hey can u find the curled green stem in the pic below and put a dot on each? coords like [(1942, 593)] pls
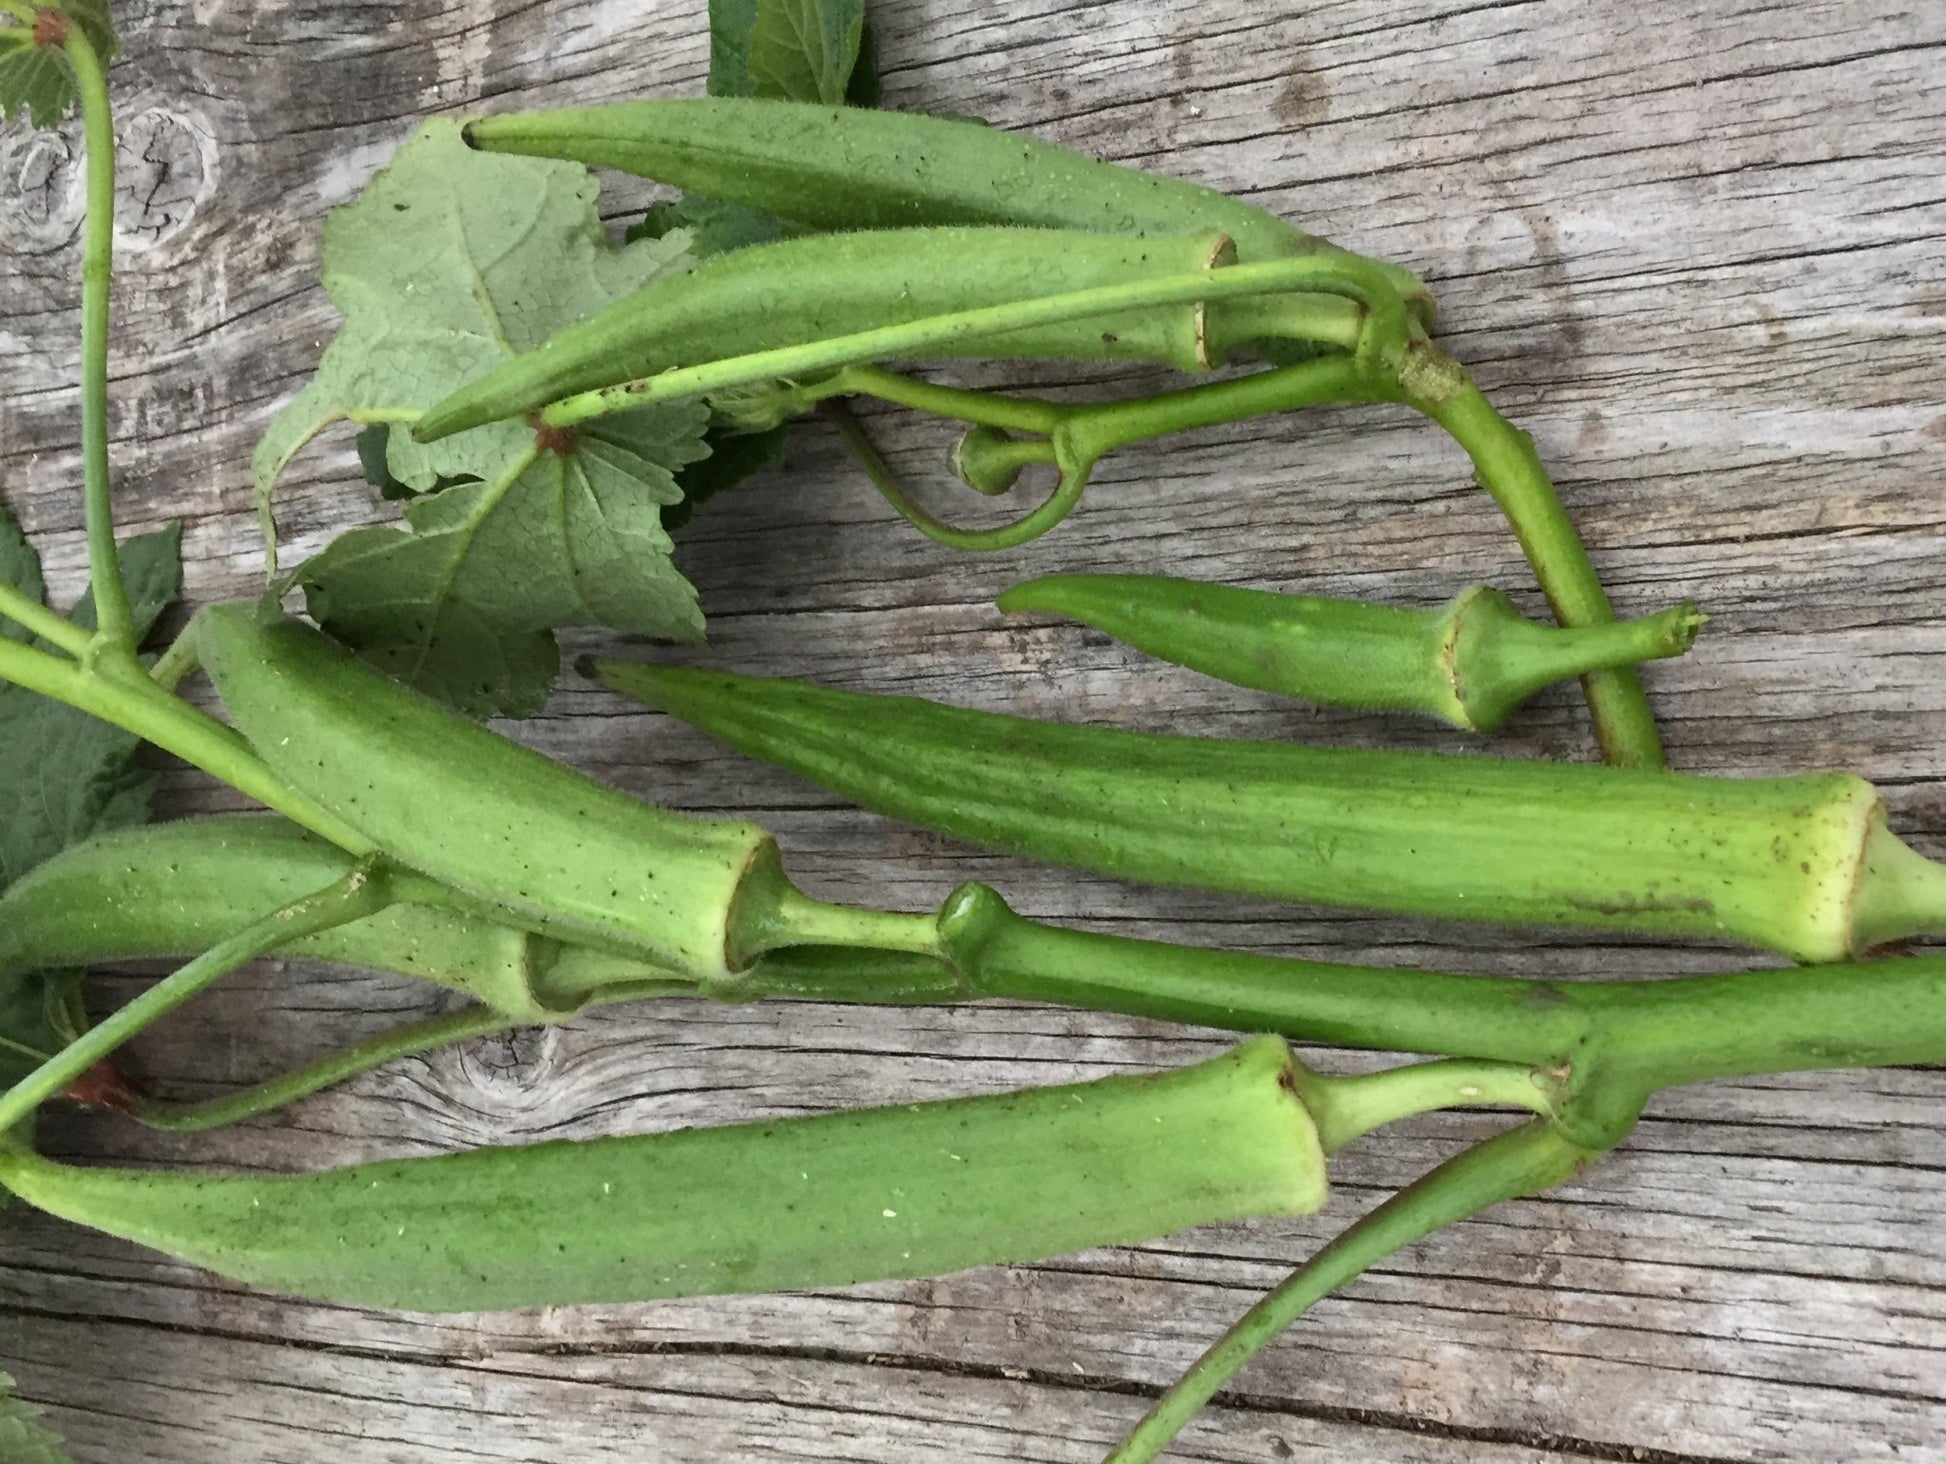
[(1524, 1161), (1031, 525)]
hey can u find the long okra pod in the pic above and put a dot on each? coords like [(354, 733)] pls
[(858, 168), (822, 1201), (800, 291), (1805, 866), (1471, 663)]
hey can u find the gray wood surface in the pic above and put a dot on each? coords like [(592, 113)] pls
[(1695, 248)]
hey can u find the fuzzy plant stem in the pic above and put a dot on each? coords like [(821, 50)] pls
[(1523, 1161), (113, 616)]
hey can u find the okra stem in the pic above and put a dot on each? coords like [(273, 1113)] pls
[(1524, 1161), (362, 892), (57, 630), (1030, 525), (178, 661), (1628, 1037), (1506, 465), (112, 614), (1347, 1108), (1493, 1018), (273, 1093), (986, 408), (407, 1040), (1095, 431)]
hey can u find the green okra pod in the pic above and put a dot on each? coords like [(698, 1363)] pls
[(474, 810), (175, 889), (798, 291), (822, 1201), (1471, 663), (1805, 865), (858, 168), (498, 822)]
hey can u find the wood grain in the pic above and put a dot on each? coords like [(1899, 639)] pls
[(1695, 249)]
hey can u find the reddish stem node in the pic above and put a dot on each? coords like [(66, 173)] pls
[(557, 440), (50, 27)]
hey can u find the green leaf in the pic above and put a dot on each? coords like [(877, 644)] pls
[(35, 80), (733, 457), (451, 262), (459, 605), (862, 89), (789, 50), (714, 227), (65, 774), (23, 1438), (374, 442), (784, 50), (20, 567)]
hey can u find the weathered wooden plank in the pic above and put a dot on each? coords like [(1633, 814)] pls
[(1694, 249)]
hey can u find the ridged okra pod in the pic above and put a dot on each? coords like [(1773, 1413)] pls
[(1471, 663), (821, 1201), (857, 168), (798, 291), (476, 811), (1801, 865)]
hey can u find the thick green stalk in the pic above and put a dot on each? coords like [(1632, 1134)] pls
[(1611, 1043), (1657, 1034), (1506, 465), (1526, 1161), (361, 893), (117, 626), (1500, 1019)]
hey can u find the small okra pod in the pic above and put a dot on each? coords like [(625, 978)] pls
[(798, 291), (822, 1201), (1804, 866), (857, 168), (498, 822), (1471, 663)]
